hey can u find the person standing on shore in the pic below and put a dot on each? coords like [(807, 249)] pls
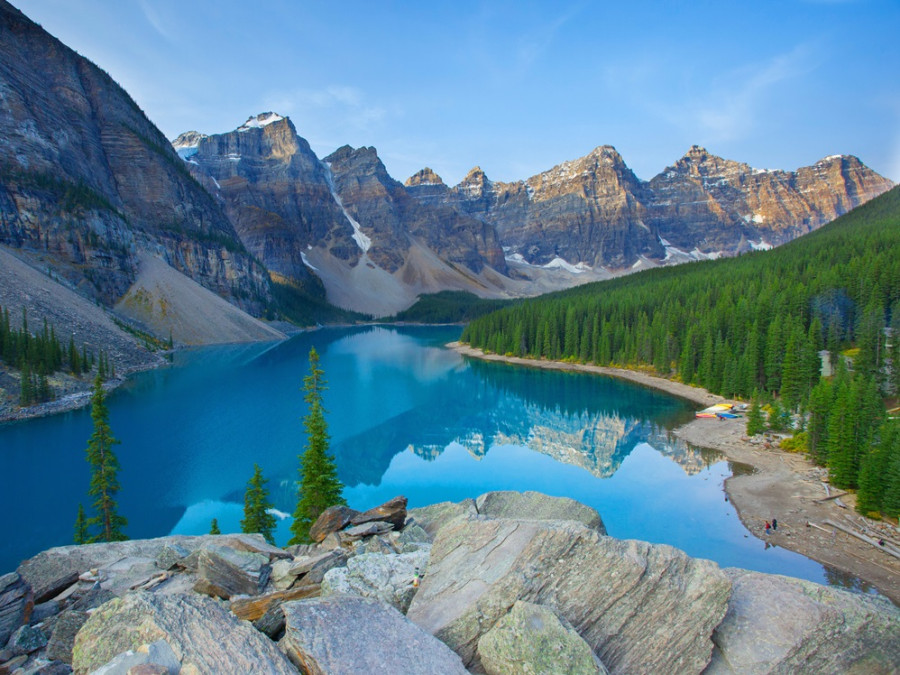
[(767, 527), (774, 525)]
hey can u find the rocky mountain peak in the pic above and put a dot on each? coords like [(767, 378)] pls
[(698, 162), (424, 177), (357, 155), (603, 164), (189, 139), (475, 184), (260, 121), (847, 161), (607, 153), (697, 151), (187, 143)]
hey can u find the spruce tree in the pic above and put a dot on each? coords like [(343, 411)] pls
[(214, 527), (895, 348), (319, 484), (841, 447), (755, 422), (26, 386), (81, 531), (793, 377), (890, 500), (104, 467), (820, 402), (256, 508)]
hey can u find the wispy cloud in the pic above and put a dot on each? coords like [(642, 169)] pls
[(534, 44), (729, 110), (495, 47), (156, 20)]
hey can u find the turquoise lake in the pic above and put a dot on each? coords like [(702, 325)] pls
[(406, 416)]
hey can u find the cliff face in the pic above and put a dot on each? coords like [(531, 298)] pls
[(596, 212), (590, 210), (274, 189), (87, 181), (284, 202), (716, 205), (392, 216)]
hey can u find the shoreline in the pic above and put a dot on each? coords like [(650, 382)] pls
[(69, 401), (82, 397), (783, 485)]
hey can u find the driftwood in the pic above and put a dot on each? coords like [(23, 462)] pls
[(876, 532), (868, 540), (834, 496), (819, 527)]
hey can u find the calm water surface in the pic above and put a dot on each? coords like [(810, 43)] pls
[(406, 416)]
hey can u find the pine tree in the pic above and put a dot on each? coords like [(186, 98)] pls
[(841, 427), (214, 527), (26, 386), (793, 377), (256, 508), (81, 531), (755, 423), (319, 484), (105, 466), (890, 501), (820, 402), (895, 347), (874, 469)]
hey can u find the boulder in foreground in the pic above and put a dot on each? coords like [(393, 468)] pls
[(785, 625), (537, 506), (201, 633), (332, 519), (348, 634), (534, 639), (392, 511), (642, 608)]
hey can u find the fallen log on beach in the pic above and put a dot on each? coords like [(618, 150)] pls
[(853, 533)]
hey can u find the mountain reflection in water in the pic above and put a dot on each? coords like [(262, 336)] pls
[(406, 416)]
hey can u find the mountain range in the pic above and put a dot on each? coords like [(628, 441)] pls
[(93, 194), (348, 221)]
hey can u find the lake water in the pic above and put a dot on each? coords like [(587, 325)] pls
[(406, 416)]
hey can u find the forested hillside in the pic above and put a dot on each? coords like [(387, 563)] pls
[(753, 324)]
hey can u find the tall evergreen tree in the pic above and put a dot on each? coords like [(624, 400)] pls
[(874, 469), (104, 470), (895, 348), (820, 401), (890, 501), (793, 375), (841, 431), (319, 484), (256, 508), (214, 527), (755, 422), (81, 531)]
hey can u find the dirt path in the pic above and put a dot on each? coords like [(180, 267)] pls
[(784, 486)]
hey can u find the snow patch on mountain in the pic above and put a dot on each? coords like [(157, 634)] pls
[(307, 263), (260, 121), (569, 267), (359, 237)]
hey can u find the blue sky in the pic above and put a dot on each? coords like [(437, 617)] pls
[(515, 87)]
